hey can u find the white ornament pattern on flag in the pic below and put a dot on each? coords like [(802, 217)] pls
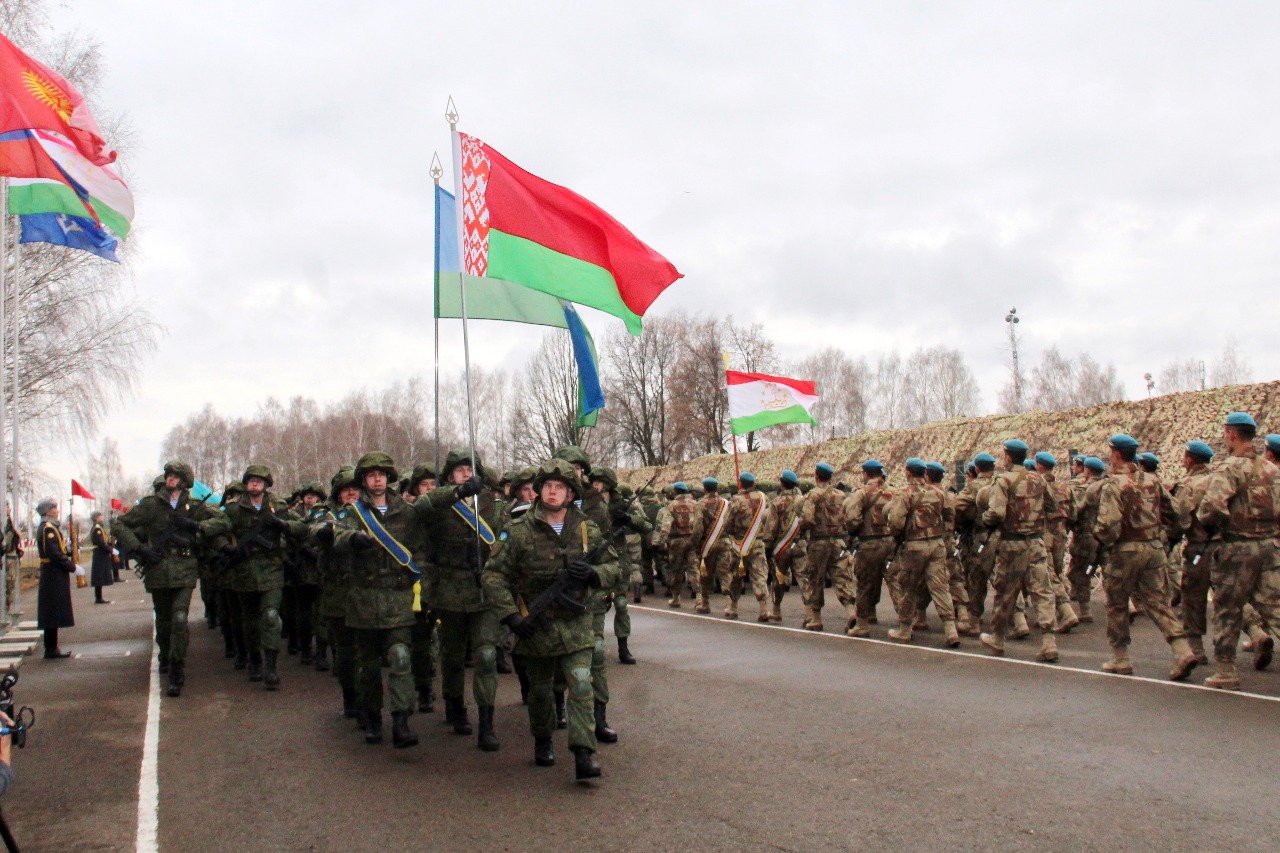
[(475, 206)]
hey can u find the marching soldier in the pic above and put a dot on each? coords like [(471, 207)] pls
[(677, 537), (980, 554), (1187, 495), (626, 520), (421, 481), (1055, 543), (786, 546), (866, 514), (335, 585), (715, 556), (822, 518), (748, 517), (1085, 551), (919, 518)]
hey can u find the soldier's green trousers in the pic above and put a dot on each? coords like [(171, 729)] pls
[(1138, 570), (481, 628), (343, 640), (229, 619), (1246, 572), (599, 667), (260, 615), (575, 668), (374, 646), (681, 563), (424, 665), (171, 607)]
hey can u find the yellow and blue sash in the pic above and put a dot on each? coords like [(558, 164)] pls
[(475, 521), (369, 519)]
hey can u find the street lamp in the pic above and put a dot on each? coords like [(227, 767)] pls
[(1012, 319)]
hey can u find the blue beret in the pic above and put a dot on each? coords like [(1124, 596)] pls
[(789, 477), (1149, 461), (1046, 459), (1078, 459), (1029, 464), (1093, 463), (915, 465), (1200, 450), (936, 467), (710, 483), (1241, 419), (872, 466), (984, 457), (1016, 444), (1273, 443), (747, 477), (1121, 441), (681, 487), (824, 469)]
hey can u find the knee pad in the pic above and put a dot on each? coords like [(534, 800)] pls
[(180, 619), (272, 617), (581, 687), (398, 659), (597, 653), (487, 660)]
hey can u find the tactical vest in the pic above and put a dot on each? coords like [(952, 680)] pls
[(682, 510), (1087, 519), (1139, 505), (828, 511), (1253, 508), (875, 518), (1024, 505), (924, 518)]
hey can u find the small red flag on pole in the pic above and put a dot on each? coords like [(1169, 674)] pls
[(117, 504), (80, 491)]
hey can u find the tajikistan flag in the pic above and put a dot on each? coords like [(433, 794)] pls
[(758, 400)]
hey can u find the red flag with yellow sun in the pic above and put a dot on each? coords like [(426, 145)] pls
[(35, 97)]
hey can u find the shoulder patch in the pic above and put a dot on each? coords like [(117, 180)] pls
[(502, 537)]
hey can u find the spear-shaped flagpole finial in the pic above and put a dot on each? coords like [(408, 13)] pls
[(451, 113), (437, 171)]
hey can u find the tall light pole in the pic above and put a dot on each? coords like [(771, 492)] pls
[(1012, 319)]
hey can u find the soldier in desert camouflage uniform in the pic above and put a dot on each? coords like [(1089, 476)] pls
[(866, 514), (822, 518), (919, 517), (787, 548), (748, 518), (677, 537), (1187, 495)]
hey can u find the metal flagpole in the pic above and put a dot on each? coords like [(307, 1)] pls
[(4, 484), (737, 468), (451, 113), (16, 605), (437, 172)]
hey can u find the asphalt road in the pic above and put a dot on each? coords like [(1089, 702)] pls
[(733, 737)]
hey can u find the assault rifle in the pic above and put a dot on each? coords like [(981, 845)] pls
[(169, 537), (255, 540)]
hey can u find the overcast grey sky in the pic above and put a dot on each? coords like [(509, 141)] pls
[(868, 175)]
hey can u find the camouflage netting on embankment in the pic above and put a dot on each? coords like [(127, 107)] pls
[(1161, 424)]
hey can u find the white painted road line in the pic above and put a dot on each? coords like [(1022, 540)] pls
[(773, 626), (148, 776)]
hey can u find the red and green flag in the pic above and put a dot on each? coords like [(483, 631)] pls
[(519, 228)]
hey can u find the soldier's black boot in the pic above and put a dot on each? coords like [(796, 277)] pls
[(504, 665), (255, 666), (624, 653), (269, 677), (305, 658), (349, 703), (175, 679), (562, 713), (636, 589), (322, 657), (229, 650), (426, 700), (164, 663), (585, 765), (372, 727), (461, 724), (604, 734), (542, 754), (242, 658), (487, 740), (401, 737)]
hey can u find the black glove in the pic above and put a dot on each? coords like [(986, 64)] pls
[(584, 573), (325, 535), (275, 523), (186, 522), (520, 626), (362, 541), (148, 554), (470, 487), (619, 516)]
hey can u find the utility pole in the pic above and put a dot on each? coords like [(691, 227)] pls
[(1012, 319)]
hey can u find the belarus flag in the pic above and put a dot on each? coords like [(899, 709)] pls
[(758, 400)]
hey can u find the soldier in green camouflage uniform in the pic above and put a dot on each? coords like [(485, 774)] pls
[(1241, 505), (677, 538), (554, 537), (306, 574), (1187, 495), (335, 584), (867, 520), (628, 519), (1019, 503), (822, 519), (748, 518), (253, 525), (919, 517), (652, 564), (1132, 507), (161, 531), (787, 548), (426, 640), (1085, 551), (458, 597), (229, 616)]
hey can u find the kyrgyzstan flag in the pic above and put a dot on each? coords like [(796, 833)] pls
[(79, 491), (34, 96)]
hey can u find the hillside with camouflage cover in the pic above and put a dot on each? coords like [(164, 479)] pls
[(1162, 425)]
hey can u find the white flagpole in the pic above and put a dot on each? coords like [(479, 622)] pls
[(436, 173), (16, 605), (451, 113), (4, 484)]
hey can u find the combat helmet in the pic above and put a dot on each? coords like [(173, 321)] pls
[(186, 477), (574, 455), (604, 475), (376, 460), (625, 490), (344, 479), (258, 471), (524, 475), (233, 490), (456, 457), (312, 487), (558, 469)]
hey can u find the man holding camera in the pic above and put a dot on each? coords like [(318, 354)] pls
[(160, 532)]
